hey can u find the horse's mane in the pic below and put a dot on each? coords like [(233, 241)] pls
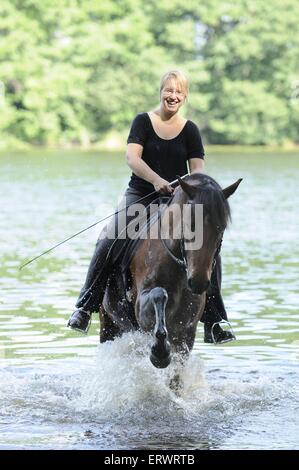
[(211, 196)]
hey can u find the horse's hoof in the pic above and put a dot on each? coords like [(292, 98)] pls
[(176, 385), (160, 363)]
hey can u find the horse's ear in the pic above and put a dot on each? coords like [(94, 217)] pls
[(231, 189), (187, 188)]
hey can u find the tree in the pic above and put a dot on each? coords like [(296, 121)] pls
[(74, 69)]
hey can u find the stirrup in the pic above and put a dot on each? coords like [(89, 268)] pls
[(230, 330)]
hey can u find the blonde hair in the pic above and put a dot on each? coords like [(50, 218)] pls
[(179, 77)]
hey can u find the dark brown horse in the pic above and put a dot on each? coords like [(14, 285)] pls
[(170, 280)]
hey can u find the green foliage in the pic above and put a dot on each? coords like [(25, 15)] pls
[(72, 70)]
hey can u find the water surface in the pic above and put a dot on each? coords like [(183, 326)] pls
[(60, 390)]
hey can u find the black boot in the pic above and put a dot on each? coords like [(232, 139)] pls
[(215, 311), (215, 334), (91, 295), (80, 320)]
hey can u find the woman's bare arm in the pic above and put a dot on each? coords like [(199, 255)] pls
[(196, 165), (141, 169)]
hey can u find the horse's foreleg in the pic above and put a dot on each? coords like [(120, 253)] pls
[(109, 329), (152, 316), (176, 382)]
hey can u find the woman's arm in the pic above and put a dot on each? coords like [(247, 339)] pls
[(141, 169), (196, 165)]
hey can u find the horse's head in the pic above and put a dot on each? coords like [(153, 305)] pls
[(201, 189)]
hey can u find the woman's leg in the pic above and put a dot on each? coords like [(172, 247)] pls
[(92, 293), (93, 289), (215, 310)]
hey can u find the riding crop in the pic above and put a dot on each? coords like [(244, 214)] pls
[(90, 226)]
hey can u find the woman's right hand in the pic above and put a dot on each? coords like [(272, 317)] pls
[(162, 186)]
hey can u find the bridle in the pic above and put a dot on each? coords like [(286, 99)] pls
[(182, 261)]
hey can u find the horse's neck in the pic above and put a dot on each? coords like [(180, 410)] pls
[(171, 225)]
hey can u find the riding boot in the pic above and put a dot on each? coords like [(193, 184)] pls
[(92, 293), (215, 311)]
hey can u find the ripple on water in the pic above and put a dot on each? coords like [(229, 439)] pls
[(121, 399), (57, 393)]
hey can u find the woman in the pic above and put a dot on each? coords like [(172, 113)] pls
[(160, 144)]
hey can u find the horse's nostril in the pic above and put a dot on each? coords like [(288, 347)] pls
[(203, 287), (198, 287)]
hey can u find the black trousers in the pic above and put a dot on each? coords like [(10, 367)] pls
[(92, 292)]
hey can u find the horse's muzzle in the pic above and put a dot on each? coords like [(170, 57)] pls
[(198, 287)]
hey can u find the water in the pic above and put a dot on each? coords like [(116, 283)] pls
[(61, 390)]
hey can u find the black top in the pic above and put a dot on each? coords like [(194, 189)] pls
[(167, 157)]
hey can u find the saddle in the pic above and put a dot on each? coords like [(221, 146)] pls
[(123, 249)]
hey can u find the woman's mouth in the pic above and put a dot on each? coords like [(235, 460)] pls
[(171, 103)]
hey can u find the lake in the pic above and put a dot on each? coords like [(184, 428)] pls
[(62, 390)]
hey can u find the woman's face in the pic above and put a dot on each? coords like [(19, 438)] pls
[(172, 96)]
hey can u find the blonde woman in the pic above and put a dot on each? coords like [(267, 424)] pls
[(161, 145)]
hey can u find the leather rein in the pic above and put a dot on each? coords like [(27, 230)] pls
[(182, 261)]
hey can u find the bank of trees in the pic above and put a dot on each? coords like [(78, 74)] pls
[(71, 70)]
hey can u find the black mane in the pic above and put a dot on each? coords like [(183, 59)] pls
[(211, 196)]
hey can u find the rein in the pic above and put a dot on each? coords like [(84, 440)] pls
[(182, 262)]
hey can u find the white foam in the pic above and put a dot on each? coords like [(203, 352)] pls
[(122, 386), (123, 380)]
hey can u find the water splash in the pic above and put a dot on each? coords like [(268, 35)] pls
[(123, 382), (120, 400)]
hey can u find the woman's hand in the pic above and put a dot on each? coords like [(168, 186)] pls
[(162, 186)]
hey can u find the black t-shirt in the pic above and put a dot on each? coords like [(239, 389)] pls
[(168, 158)]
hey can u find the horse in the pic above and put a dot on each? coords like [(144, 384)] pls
[(169, 280)]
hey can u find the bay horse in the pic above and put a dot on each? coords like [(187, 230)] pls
[(169, 281)]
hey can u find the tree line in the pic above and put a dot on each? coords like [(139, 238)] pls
[(72, 70)]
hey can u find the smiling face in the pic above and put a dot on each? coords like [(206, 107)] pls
[(173, 96)]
